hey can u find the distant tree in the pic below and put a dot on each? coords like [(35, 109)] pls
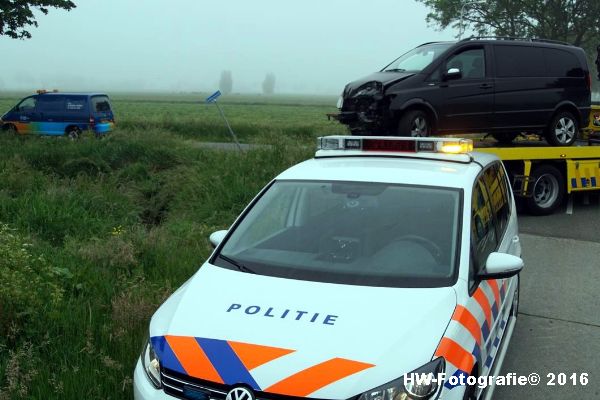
[(226, 82), (16, 15), (268, 85)]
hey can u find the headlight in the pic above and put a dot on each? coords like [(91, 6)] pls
[(340, 102), (151, 364), (370, 89), (421, 384)]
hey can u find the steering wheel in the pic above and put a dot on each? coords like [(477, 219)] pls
[(428, 244)]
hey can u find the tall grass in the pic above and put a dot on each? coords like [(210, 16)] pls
[(115, 226)]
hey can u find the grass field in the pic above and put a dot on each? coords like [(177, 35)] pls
[(95, 234)]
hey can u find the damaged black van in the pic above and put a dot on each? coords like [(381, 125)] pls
[(500, 86)]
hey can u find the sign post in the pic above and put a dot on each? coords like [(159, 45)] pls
[(213, 99)]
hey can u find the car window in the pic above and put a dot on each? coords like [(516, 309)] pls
[(360, 233), (483, 229), (100, 104), (27, 104), (418, 58), (560, 63), (75, 103), (519, 61), (49, 104), (470, 62), (497, 187)]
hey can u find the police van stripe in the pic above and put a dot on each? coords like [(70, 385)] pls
[(166, 354), (226, 362), (192, 358), (484, 303)]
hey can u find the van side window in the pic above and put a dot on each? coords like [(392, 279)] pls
[(518, 61), (75, 103), (495, 180), (560, 63), (27, 105), (471, 63), (483, 229), (50, 104), (100, 104)]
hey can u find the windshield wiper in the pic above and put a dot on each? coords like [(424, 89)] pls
[(395, 70), (236, 264)]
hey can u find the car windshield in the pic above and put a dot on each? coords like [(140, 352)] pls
[(358, 233), (418, 58)]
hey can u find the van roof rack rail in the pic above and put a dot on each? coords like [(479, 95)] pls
[(515, 38)]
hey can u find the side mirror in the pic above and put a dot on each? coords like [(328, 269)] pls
[(453, 73), (216, 238), (501, 266)]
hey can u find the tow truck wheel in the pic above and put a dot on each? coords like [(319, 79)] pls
[(563, 129), (548, 190), (505, 138), (415, 123)]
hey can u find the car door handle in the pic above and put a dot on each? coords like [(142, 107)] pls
[(486, 86)]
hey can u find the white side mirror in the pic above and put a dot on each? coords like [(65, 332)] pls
[(217, 237), (501, 265)]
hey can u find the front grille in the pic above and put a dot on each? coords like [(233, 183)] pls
[(183, 386)]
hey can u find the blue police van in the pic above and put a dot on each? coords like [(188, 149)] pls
[(58, 114)]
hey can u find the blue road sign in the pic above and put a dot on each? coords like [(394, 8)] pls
[(213, 97)]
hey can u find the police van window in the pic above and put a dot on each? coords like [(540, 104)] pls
[(562, 64), (519, 61), (75, 104), (495, 180), (50, 104), (483, 230), (27, 105), (350, 232), (470, 62), (100, 104)]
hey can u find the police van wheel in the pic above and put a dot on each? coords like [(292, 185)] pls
[(10, 129), (415, 123), (73, 133), (548, 190), (563, 129)]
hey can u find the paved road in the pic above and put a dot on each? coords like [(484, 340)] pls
[(558, 329)]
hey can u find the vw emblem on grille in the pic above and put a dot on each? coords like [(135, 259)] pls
[(240, 393)]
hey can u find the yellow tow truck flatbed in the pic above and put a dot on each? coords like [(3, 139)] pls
[(544, 174)]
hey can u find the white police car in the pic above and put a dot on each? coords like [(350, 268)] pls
[(378, 258)]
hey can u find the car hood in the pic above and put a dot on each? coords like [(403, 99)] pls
[(385, 78), (297, 338)]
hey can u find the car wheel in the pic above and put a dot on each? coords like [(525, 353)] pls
[(73, 133), (414, 123), (10, 129), (505, 138), (548, 190), (563, 129)]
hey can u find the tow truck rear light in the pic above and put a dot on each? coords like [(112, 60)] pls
[(396, 145)]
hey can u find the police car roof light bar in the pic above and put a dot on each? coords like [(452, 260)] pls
[(396, 144)]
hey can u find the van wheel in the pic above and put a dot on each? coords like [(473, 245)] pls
[(10, 129), (505, 138), (548, 190), (414, 123), (563, 129), (73, 133)]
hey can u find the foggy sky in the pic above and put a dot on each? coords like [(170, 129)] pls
[(183, 45)]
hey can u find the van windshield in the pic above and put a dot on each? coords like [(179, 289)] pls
[(357, 233), (419, 58)]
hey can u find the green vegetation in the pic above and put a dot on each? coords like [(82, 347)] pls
[(95, 234)]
